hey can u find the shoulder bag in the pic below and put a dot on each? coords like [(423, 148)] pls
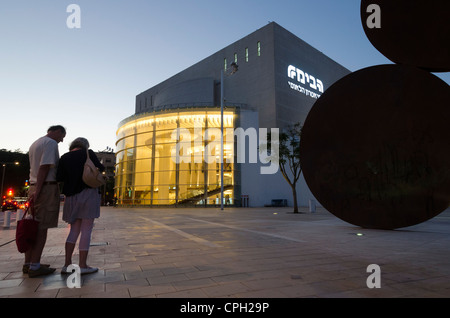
[(91, 175)]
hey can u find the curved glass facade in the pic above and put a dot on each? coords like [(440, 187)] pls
[(149, 172)]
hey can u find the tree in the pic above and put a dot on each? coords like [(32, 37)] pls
[(289, 158)]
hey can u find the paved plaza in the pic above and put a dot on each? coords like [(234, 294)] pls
[(238, 253)]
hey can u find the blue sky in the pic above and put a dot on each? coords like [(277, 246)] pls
[(87, 79)]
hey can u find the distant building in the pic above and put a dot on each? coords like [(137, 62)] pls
[(108, 159), (276, 82)]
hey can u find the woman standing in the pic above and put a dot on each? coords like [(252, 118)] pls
[(82, 203)]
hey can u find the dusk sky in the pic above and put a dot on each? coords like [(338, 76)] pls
[(87, 78)]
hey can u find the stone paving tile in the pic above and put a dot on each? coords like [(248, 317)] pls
[(151, 291), (121, 293), (225, 289), (190, 293), (238, 253), (261, 294), (193, 284)]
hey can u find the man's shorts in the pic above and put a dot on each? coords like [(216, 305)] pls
[(46, 208)]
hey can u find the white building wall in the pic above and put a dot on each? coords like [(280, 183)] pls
[(260, 188)]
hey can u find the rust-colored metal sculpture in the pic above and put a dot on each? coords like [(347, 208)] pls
[(375, 147), (411, 32)]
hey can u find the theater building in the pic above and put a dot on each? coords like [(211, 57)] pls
[(268, 79)]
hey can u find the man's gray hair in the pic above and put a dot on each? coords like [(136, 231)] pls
[(79, 142), (56, 127)]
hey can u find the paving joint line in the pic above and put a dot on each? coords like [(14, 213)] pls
[(7, 243), (184, 234), (251, 231)]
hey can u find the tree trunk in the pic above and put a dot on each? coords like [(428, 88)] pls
[(294, 193)]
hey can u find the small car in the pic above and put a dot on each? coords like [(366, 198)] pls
[(22, 205), (9, 205)]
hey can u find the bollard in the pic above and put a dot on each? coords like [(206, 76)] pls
[(19, 215), (244, 200), (7, 220), (312, 206)]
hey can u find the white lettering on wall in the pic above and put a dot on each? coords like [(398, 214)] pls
[(306, 79)]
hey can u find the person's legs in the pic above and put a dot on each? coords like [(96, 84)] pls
[(85, 240), (46, 212), (35, 267), (27, 257), (38, 247), (71, 240), (27, 263)]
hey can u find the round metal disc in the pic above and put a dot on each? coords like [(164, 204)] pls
[(375, 147), (411, 32)]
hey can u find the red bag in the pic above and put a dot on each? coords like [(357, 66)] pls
[(26, 232)]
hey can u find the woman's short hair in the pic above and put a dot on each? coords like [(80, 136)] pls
[(79, 142)]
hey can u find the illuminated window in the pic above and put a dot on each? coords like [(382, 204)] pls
[(146, 172), (259, 48), (246, 54), (225, 64), (235, 58)]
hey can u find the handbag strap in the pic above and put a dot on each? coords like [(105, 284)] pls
[(27, 211)]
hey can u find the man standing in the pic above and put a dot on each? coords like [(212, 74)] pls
[(43, 195)]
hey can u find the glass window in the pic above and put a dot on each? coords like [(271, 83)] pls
[(142, 179), (146, 169), (235, 58), (144, 153), (246, 54), (259, 48), (164, 195), (144, 139), (164, 164), (165, 178), (143, 165), (166, 136)]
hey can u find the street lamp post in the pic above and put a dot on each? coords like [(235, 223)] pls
[(221, 141), (3, 174), (222, 99)]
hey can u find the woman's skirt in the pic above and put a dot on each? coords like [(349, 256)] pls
[(83, 205)]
